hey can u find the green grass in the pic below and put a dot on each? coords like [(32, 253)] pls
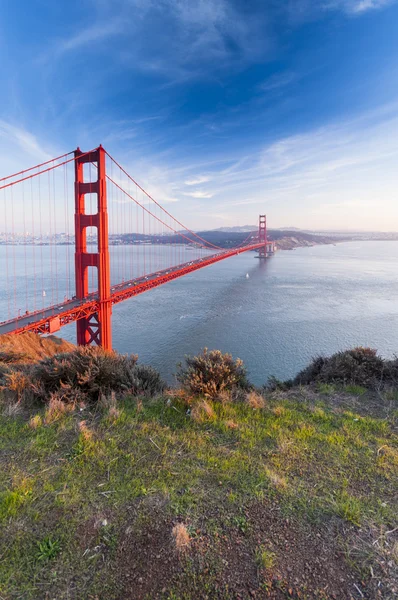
[(265, 559), (58, 480)]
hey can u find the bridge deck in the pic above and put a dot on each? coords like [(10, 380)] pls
[(51, 319)]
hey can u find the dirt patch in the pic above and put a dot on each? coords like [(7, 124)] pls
[(305, 562), (309, 561)]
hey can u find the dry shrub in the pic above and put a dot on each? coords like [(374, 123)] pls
[(10, 356), (90, 370), (90, 373), (231, 424), (255, 400), (211, 373), (18, 384), (85, 431), (202, 411), (35, 422), (56, 409), (181, 537)]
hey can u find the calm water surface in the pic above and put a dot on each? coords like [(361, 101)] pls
[(292, 307)]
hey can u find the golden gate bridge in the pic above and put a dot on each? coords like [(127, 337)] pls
[(83, 288)]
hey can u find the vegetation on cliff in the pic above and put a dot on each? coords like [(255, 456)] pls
[(112, 487)]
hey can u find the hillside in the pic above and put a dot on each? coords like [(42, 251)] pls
[(148, 495), (285, 239), (32, 347)]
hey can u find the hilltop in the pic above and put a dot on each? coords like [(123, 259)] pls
[(30, 347), (115, 488)]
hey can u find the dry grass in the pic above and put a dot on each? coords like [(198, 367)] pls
[(181, 537), (12, 409), (35, 422), (202, 412), (277, 480), (224, 397), (231, 424), (107, 401), (114, 414), (255, 400), (56, 409), (85, 431), (34, 347)]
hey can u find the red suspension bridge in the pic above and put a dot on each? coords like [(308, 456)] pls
[(48, 286)]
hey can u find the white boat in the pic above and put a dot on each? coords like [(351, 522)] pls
[(247, 275)]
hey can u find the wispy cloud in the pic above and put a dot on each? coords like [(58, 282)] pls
[(279, 80), (197, 180), (187, 39), (90, 35), (199, 194), (303, 10), (21, 145), (358, 6)]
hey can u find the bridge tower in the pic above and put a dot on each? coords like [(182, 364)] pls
[(262, 236), (96, 329)]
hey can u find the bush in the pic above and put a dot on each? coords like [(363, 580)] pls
[(10, 357), (147, 381), (211, 373), (89, 373), (360, 366)]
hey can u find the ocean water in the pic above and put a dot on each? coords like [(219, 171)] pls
[(292, 307)]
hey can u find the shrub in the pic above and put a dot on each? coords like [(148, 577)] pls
[(273, 384), (84, 373), (147, 381), (17, 384), (10, 357), (211, 373), (359, 366), (91, 374)]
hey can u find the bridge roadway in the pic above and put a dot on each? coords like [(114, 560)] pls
[(51, 319)]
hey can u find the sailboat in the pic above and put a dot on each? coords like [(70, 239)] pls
[(247, 275)]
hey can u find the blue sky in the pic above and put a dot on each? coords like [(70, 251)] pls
[(223, 109)]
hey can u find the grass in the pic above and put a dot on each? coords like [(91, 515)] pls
[(264, 558), (71, 488)]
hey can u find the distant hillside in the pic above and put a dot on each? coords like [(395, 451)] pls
[(285, 239)]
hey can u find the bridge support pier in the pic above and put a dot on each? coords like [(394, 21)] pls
[(96, 329)]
